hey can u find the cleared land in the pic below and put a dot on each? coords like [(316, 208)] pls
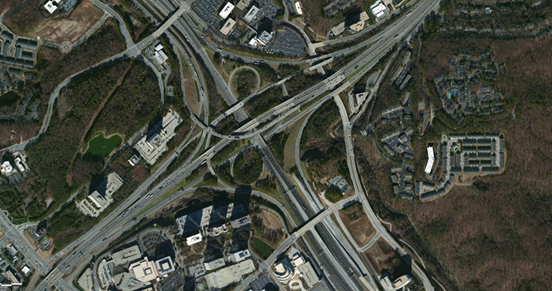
[(268, 227), (358, 224), (381, 255), (190, 88), (69, 28)]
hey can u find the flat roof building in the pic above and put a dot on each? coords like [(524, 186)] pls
[(194, 239), (213, 265), (230, 274), (226, 10), (126, 256), (160, 56), (98, 200), (50, 7), (164, 266), (227, 27), (298, 8), (243, 4), (144, 270), (379, 10), (251, 13), (265, 37), (430, 160), (241, 255), (7, 168)]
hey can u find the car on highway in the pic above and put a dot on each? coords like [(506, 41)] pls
[(396, 35)]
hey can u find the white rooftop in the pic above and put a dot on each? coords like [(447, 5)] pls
[(298, 8), (378, 9), (192, 240), (430, 160), (251, 13), (50, 7), (226, 10), (144, 270), (160, 56)]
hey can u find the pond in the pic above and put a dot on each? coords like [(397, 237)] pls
[(8, 99), (101, 146)]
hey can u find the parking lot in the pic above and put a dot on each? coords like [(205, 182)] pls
[(287, 43), (208, 11)]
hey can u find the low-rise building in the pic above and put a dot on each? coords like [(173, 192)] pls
[(251, 14), (7, 168), (144, 270), (243, 4), (379, 10), (194, 239), (228, 25), (127, 255), (241, 255), (298, 9), (50, 7), (226, 10), (340, 183), (430, 160), (215, 264), (230, 274)]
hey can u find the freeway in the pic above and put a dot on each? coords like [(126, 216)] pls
[(330, 253), (240, 115)]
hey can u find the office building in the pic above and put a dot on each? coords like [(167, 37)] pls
[(228, 25), (226, 10)]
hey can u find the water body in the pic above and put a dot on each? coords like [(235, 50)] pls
[(101, 146), (8, 98)]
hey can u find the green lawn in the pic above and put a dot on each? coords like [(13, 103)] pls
[(261, 248)]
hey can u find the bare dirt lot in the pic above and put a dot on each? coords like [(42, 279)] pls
[(70, 28), (381, 255), (357, 223), (271, 227)]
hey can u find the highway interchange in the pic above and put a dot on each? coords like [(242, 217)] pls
[(338, 262)]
